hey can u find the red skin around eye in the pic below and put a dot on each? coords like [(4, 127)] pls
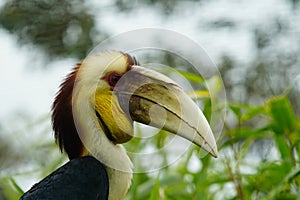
[(112, 78)]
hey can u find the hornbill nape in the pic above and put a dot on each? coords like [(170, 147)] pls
[(93, 115)]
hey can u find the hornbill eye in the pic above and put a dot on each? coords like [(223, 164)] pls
[(113, 78)]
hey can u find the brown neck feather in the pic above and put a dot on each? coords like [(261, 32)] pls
[(63, 124), (62, 118)]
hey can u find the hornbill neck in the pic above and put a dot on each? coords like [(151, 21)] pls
[(78, 132), (114, 157)]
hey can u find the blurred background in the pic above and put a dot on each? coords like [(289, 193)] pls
[(255, 45)]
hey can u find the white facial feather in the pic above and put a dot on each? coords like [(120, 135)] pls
[(114, 157)]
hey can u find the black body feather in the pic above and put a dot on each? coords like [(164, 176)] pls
[(80, 179)]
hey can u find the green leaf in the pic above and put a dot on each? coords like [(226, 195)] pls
[(246, 134), (140, 187), (199, 94), (252, 112), (161, 138), (283, 118), (191, 76), (16, 186), (283, 147), (236, 109), (11, 189), (214, 85), (207, 109), (155, 191), (268, 177), (277, 191)]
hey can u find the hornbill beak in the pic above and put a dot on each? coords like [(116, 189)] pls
[(153, 99)]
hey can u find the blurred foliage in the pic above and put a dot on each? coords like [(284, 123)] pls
[(60, 28), (166, 7), (270, 131), (10, 188), (274, 176)]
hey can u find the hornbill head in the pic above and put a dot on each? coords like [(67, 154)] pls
[(94, 111)]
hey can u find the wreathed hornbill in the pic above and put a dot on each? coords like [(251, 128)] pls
[(93, 115)]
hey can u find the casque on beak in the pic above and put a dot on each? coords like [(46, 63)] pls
[(151, 98)]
